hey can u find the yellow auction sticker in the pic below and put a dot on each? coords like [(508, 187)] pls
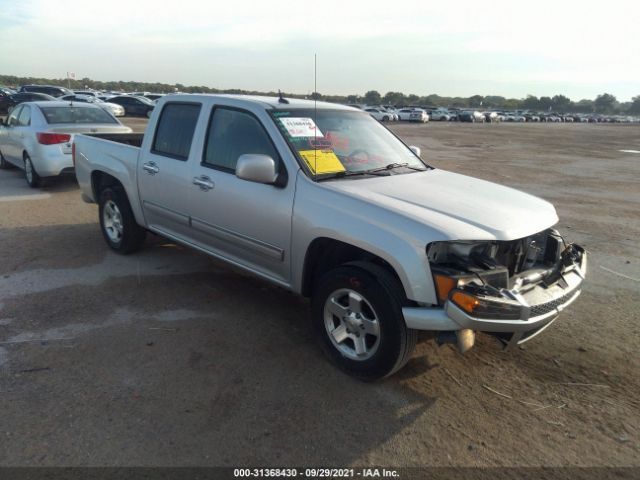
[(322, 161)]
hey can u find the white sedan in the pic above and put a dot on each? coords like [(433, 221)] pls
[(37, 136), (113, 108), (379, 114), (413, 115)]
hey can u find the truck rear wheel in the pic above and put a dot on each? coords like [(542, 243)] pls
[(357, 315), (117, 222)]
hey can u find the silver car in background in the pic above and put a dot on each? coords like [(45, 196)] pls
[(113, 108), (37, 136)]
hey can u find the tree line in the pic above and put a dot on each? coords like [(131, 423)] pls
[(604, 103)]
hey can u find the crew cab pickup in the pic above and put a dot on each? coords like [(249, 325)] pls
[(323, 200)]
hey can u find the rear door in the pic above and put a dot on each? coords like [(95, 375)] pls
[(164, 178), (245, 222)]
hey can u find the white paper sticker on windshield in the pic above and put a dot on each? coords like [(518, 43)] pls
[(301, 127)]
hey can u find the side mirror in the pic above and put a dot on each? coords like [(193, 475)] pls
[(415, 150), (256, 168)]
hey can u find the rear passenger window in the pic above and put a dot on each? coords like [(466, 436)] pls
[(174, 133), (233, 133)]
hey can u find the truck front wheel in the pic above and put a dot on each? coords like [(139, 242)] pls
[(357, 314), (117, 222)]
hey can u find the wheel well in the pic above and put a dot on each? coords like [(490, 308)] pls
[(100, 181), (325, 254)]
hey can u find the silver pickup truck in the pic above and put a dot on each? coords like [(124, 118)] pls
[(325, 201)]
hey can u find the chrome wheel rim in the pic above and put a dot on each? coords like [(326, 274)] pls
[(352, 324), (28, 170), (112, 221)]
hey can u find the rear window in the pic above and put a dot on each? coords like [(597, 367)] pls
[(66, 114), (175, 130)]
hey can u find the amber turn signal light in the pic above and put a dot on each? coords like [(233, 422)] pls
[(466, 302), (444, 285)]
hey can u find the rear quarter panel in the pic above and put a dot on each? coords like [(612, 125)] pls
[(115, 159)]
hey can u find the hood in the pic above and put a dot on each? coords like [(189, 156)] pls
[(460, 207)]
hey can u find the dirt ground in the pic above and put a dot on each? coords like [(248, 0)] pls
[(170, 358)]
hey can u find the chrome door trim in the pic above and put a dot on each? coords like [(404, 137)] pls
[(167, 212), (224, 258), (256, 246)]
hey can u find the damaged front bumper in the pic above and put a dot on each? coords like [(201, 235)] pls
[(539, 306)]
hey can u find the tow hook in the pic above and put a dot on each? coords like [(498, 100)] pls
[(464, 339)]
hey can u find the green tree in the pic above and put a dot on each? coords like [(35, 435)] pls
[(475, 100), (605, 103), (372, 97), (634, 108), (545, 103), (393, 98), (413, 99), (561, 103), (531, 103)]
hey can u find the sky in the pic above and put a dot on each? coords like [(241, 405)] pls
[(451, 48)]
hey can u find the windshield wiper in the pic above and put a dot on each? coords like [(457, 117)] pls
[(393, 165), (378, 172), (347, 173)]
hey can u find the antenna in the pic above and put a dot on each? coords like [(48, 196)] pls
[(281, 99), (315, 115)]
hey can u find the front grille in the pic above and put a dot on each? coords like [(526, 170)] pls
[(543, 308)]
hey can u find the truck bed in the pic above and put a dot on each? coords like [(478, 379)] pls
[(133, 139)]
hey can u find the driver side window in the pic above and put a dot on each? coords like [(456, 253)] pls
[(233, 133)]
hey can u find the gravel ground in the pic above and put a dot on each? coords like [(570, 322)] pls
[(170, 358)]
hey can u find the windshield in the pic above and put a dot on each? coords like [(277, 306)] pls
[(337, 141), (56, 115)]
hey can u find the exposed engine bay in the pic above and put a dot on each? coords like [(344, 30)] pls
[(505, 268)]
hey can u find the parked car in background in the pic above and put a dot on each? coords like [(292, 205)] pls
[(490, 117), (113, 108), (37, 136), (92, 93), (531, 117), (5, 93), (379, 114), (470, 116), (440, 115), (413, 115), (53, 90), (514, 117), (134, 106), (154, 96), (18, 98), (392, 113), (552, 118)]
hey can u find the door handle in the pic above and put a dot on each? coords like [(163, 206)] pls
[(151, 168), (203, 182)]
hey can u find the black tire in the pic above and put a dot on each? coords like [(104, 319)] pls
[(30, 175), (131, 235), (385, 119), (385, 295)]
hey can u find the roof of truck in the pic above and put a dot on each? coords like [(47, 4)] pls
[(270, 102)]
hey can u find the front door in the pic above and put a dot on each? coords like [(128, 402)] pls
[(247, 223)]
